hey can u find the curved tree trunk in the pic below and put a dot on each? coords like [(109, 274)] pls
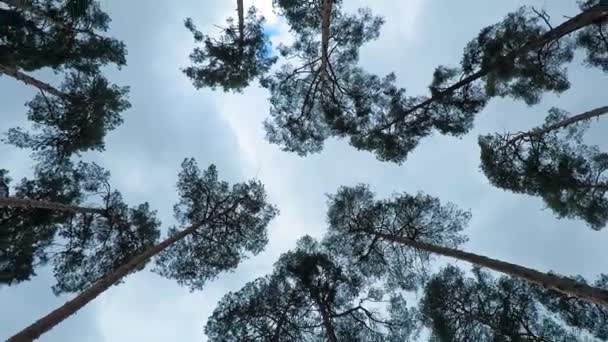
[(564, 123), (326, 7), (15, 202), (56, 316), (549, 281), (18, 75), (582, 20)]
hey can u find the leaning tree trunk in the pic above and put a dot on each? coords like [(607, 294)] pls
[(15, 202), (582, 20), (326, 7), (552, 282), (564, 123), (18, 75), (56, 316)]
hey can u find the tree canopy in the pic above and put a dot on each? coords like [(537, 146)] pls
[(481, 308), (552, 162), (310, 296), (242, 53), (81, 247), (230, 223)]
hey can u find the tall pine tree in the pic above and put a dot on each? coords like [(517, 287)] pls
[(225, 224), (552, 162), (397, 237), (241, 54), (311, 296)]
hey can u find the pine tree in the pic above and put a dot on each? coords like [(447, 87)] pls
[(75, 122), (57, 34), (480, 308), (82, 243), (521, 57), (310, 296), (552, 162), (594, 38), (396, 238), (321, 91), (241, 54), (577, 314), (65, 36), (225, 224)]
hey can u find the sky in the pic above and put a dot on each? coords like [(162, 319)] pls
[(170, 120)]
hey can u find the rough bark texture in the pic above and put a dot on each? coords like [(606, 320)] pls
[(30, 204), (56, 316), (18, 75), (549, 281), (564, 123), (583, 19), (326, 8)]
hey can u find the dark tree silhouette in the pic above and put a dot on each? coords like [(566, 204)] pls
[(552, 162), (224, 225), (480, 308), (521, 57), (242, 53), (310, 296), (396, 238)]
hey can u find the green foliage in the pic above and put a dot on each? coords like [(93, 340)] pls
[(569, 176), (306, 107), (520, 76), (96, 245), (357, 222), (58, 34), (76, 123), (310, 296), (233, 60), (581, 315), (231, 223), (302, 15), (480, 308), (375, 114), (594, 39), (81, 247)]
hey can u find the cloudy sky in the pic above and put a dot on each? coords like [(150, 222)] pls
[(170, 120)]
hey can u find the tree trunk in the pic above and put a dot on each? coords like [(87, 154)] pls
[(549, 281), (240, 9), (56, 316), (583, 19), (329, 327), (326, 7), (564, 123), (18, 75), (15, 202)]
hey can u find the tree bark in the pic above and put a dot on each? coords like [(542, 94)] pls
[(562, 285), (564, 123), (326, 7), (240, 9), (56, 316), (329, 327), (18, 75), (39, 204), (583, 19)]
